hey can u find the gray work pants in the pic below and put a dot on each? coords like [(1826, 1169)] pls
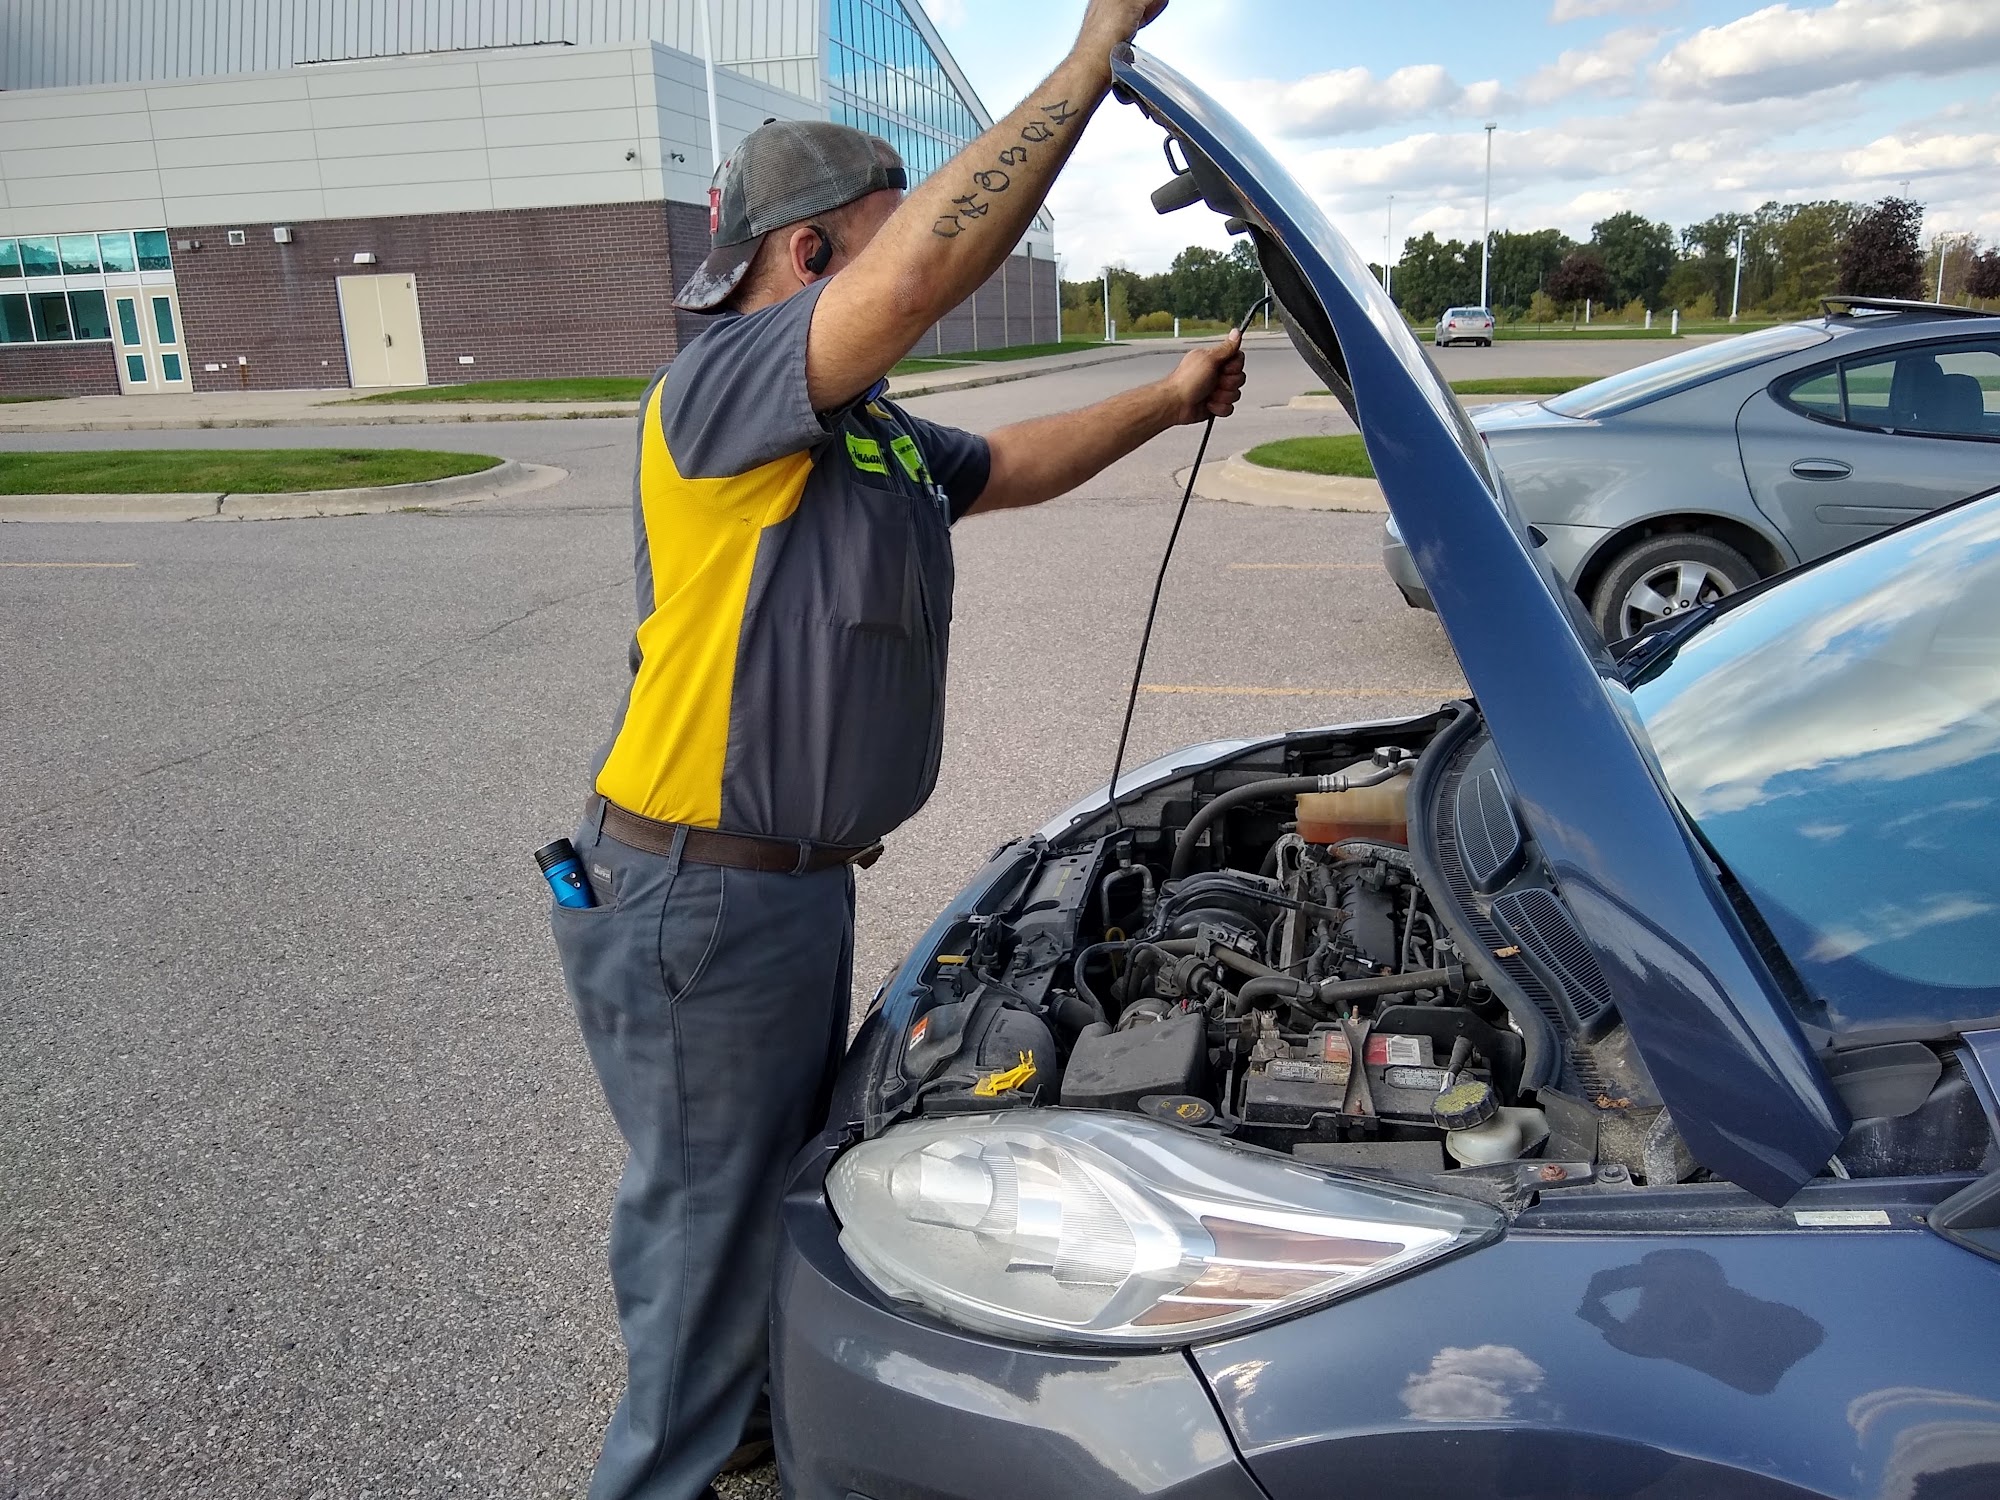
[(714, 1005)]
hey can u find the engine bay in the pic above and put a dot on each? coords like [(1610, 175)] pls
[(1348, 952)]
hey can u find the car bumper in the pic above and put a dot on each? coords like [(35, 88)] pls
[(873, 1405), (1402, 570)]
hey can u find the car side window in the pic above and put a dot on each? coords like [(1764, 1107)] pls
[(1942, 390), (1817, 395)]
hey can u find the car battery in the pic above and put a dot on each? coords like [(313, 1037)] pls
[(1313, 1081)]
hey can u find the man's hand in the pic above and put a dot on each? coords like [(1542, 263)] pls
[(1208, 382), (1109, 24)]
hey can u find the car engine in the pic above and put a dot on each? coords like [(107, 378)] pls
[(1347, 952)]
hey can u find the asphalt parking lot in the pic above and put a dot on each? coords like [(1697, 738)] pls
[(307, 1176)]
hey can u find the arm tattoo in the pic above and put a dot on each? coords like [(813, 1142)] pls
[(993, 181)]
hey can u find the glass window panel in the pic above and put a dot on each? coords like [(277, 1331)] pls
[(128, 321), (135, 368), (170, 367), (163, 319), (51, 311), (38, 256), (1819, 395), (10, 262), (14, 325), (78, 253), (152, 244), (1938, 391), (116, 252), (88, 315)]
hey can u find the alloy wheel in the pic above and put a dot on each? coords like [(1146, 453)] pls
[(1673, 588)]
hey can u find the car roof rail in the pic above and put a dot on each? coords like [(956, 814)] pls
[(1843, 306)]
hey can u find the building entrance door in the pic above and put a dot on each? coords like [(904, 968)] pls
[(385, 337), (152, 357)]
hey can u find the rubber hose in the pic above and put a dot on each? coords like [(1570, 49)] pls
[(1276, 786), (1274, 987), (1080, 963), (1074, 1013), (1389, 854)]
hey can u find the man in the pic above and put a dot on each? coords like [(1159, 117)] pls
[(786, 710)]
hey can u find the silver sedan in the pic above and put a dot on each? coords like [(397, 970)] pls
[(1467, 325), (1666, 487)]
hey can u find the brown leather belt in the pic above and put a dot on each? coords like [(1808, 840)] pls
[(735, 851)]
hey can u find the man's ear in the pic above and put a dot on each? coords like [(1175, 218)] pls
[(810, 252)]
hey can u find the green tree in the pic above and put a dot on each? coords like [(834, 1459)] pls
[(1707, 266), (1808, 239), (1638, 255), (1435, 274), (1521, 266)]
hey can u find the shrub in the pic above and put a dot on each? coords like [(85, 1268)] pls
[(1701, 309), (1541, 308), (1155, 322)]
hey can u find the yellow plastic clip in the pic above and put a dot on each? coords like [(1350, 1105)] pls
[(994, 1084)]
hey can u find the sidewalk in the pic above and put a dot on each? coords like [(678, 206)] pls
[(340, 408)]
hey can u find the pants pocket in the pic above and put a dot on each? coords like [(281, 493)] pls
[(627, 965)]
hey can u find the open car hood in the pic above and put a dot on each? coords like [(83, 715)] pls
[(1703, 1006)]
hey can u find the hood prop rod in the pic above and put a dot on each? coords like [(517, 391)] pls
[(1159, 582)]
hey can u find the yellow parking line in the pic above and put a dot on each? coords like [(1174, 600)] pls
[(66, 565), (1218, 690), (1305, 567)]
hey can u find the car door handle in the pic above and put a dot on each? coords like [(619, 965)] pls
[(1822, 468)]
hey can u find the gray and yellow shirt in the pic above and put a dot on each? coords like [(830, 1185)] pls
[(794, 590)]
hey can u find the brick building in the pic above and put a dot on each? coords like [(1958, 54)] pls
[(283, 194)]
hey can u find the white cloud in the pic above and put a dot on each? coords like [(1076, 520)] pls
[(1583, 10), (1912, 155), (1790, 50), (1611, 67), (1349, 100), (946, 15)]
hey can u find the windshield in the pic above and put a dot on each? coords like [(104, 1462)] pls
[(1689, 367), (1837, 741)]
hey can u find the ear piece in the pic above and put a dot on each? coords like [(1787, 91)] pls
[(822, 257)]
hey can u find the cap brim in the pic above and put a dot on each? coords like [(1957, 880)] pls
[(718, 276)]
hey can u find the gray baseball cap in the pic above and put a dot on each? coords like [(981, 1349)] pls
[(786, 171)]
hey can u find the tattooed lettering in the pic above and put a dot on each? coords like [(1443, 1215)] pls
[(992, 180)]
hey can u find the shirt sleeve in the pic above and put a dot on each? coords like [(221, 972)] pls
[(960, 462), (735, 399)]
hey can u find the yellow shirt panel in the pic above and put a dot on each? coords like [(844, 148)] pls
[(702, 535)]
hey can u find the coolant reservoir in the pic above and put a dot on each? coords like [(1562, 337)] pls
[(1367, 812)]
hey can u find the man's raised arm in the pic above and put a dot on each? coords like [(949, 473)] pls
[(960, 226)]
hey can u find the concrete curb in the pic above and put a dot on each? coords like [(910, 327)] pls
[(310, 419), (1243, 483), (1005, 376), (508, 478)]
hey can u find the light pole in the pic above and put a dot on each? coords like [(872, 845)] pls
[(1736, 296), (1486, 222), (1944, 244), (1107, 304), (1388, 229)]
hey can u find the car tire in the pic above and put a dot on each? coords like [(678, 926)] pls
[(1662, 576)]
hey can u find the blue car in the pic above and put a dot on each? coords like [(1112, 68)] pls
[(1587, 1089)]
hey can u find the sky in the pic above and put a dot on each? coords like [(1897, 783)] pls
[(1677, 109)]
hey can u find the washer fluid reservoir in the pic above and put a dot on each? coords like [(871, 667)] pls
[(1365, 812)]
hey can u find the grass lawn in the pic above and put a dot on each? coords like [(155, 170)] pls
[(1523, 385), (574, 388), (1316, 455), (247, 471), (926, 366), (5, 400)]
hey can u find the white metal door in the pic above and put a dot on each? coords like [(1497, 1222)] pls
[(152, 351), (384, 331)]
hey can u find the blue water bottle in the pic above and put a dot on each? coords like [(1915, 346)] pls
[(564, 873)]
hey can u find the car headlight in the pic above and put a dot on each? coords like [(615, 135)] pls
[(1113, 1229)]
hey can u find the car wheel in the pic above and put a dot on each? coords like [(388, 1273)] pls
[(1664, 576)]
